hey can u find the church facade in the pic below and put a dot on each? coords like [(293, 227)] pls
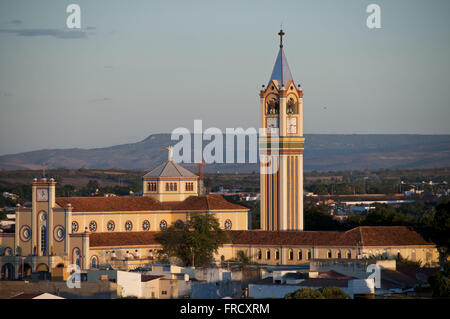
[(120, 231)]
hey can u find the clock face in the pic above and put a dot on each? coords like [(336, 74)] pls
[(42, 194), (292, 125), (271, 123)]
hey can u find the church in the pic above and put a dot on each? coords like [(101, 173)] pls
[(120, 231)]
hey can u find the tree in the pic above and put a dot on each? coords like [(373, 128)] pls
[(304, 293), (333, 293), (193, 242), (243, 258), (440, 282), (441, 229), (322, 293)]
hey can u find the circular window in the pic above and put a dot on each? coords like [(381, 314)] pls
[(110, 226), (25, 233), (92, 226), (163, 225), (74, 227), (145, 225), (228, 224), (59, 233), (128, 225)]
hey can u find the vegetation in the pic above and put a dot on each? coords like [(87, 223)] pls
[(440, 282), (322, 293), (193, 242), (243, 258)]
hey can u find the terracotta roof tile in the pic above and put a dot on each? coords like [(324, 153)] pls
[(116, 239), (373, 236), (145, 203), (391, 235)]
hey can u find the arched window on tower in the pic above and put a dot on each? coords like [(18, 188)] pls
[(43, 233), (291, 254), (300, 255)]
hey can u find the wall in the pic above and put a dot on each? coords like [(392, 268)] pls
[(130, 283)]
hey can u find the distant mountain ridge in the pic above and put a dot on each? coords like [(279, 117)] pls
[(322, 152)]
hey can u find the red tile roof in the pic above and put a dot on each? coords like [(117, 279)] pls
[(145, 203), (367, 235), (361, 236), (117, 239)]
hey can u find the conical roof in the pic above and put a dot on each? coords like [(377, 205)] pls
[(170, 169), (281, 71)]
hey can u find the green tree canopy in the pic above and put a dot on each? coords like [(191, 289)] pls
[(440, 282), (322, 293), (193, 242), (304, 293)]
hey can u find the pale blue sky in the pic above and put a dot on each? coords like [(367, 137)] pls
[(142, 67)]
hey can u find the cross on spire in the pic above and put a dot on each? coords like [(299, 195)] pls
[(281, 33)]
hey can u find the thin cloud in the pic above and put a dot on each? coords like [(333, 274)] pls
[(55, 33), (2, 93), (103, 99), (15, 21)]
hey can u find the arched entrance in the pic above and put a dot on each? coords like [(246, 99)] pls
[(7, 272), (43, 271), (25, 270)]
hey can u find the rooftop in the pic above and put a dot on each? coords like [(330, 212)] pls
[(170, 169), (367, 235), (144, 203)]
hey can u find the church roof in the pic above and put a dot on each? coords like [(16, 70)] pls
[(205, 203), (281, 72), (361, 236), (379, 236), (170, 169)]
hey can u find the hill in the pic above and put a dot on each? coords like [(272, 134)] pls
[(323, 152)]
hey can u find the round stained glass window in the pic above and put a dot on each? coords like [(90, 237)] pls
[(92, 226), (110, 226), (59, 233), (128, 225), (25, 233)]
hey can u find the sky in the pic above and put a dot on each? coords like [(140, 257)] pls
[(137, 68)]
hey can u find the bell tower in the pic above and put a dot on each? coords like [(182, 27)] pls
[(281, 145)]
